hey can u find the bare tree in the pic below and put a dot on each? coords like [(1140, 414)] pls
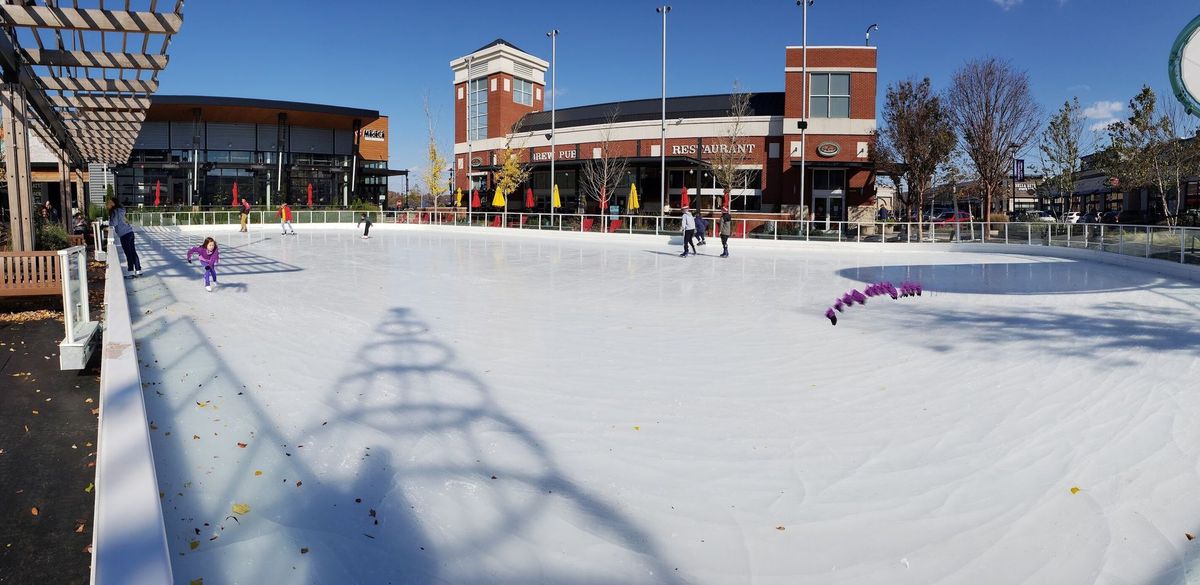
[(730, 159), (602, 175), (1060, 150), (883, 158), (918, 134), (432, 174), (995, 114)]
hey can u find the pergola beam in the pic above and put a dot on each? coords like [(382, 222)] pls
[(97, 59), (87, 102), (91, 19), (94, 85), (107, 116)]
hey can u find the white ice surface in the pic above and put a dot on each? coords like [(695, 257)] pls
[(578, 410)]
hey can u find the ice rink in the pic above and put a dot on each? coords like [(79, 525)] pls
[(471, 407)]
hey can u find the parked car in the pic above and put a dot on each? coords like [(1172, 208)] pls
[(954, 217), (1036, 215), (1071, 217), (1090, 217)]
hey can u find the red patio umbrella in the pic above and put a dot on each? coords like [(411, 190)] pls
[(235, 201), (310, 194), (474, 197), (726, 205), (157, 193), (529, 198), (684, 203)]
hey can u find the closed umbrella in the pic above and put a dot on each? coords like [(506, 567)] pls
[(235, 199), (633, 199), (555, 200), (726, 206), (310, 194), (529, 203), (458, 197), (157, 193), (683, 199), (498, 199), (474, 197)]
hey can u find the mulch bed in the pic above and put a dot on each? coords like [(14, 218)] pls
[(48, 427)]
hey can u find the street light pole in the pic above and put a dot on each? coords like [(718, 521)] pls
[(662, 148), (804, 107), (869, 29), (553, 106)]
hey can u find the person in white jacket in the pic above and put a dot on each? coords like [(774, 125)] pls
[(689, 232)]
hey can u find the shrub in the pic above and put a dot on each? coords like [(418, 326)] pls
[(363, 205), (995, 217), (52, 237)]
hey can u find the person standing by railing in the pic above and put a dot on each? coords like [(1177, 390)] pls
[(116, 219), (285, 218), (726, 231), (688, 225), (245, 209)]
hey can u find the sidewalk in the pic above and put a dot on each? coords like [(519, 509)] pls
[(47, 456)]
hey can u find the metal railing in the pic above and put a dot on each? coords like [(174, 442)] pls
[(1175, 244)]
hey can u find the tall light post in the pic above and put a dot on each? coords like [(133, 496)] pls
[(804, 106), (553, 106), (869, 29), (662, 148), (470, 153)]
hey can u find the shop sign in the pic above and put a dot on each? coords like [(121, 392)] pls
[(828, 149), (710, 149), (374, 135), (562, 155), (476, 161)]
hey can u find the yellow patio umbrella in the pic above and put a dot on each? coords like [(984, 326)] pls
[(498, 200), (458, 197), (555, 202), (633, 198)]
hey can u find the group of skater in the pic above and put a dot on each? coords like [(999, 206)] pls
[(695, 229)]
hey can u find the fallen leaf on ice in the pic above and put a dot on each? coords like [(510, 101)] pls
[(780, 528), (241, 509), (195, 544), (637, 428), (89, 488), (241, 445), (199, 581), (1074, 490), (79, 526), (304, 550), (1189, 535), (195, 436), (257, 472)]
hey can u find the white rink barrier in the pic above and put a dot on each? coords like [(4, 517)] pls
[(1179, 245), (129, 542)]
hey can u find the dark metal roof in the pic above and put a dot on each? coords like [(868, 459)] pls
[(496, 43), (700, 106), (199, 100)]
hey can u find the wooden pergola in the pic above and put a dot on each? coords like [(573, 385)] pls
[(80, 79)]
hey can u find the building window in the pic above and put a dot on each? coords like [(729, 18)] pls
[(830, 95), (829, 179), (477, 125), (523, 92)]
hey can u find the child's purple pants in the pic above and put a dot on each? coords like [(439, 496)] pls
[(209, 271)]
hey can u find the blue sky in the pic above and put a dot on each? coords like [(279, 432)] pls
[(388, 55)]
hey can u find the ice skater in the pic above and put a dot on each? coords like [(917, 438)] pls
[(701, 228), (285, 218), (209, 257), (116, 220), (726, 231), (689, 232), (245, 213), (367, 229)]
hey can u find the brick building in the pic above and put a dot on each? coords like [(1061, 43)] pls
[(501, 89)]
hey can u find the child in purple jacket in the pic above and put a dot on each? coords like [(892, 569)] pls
[(209, 257)]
